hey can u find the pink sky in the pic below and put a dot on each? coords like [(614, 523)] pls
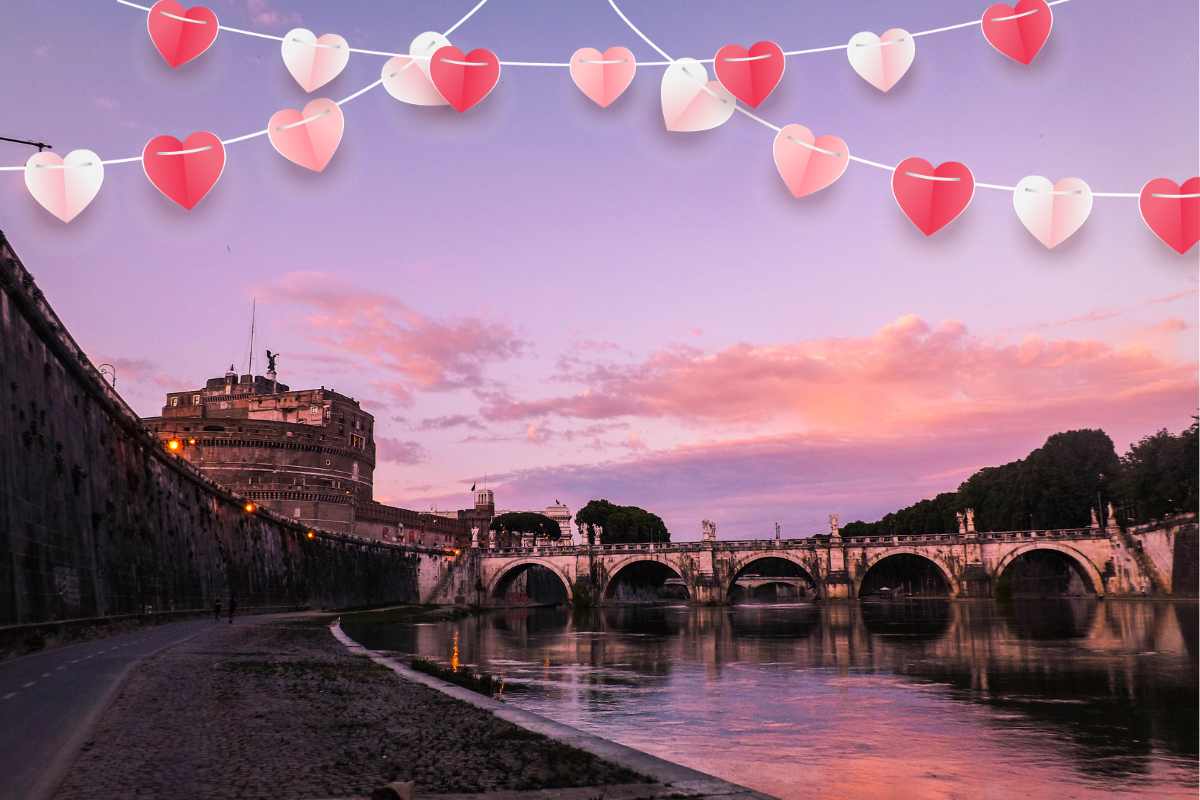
[(578, 304)]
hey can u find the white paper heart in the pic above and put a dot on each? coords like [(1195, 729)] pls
[(690, 101), (425, 45), (314, 61), (64, 186), (882, 60), (1052, 211)]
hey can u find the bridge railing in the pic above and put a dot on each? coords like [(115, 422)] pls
[(809, 543)]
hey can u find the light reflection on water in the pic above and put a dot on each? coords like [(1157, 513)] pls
[(1063, 699)]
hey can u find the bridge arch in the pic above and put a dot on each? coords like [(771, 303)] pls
[(739, 566), (663, 561), (510, 570), (952, 586), (1084, 564)]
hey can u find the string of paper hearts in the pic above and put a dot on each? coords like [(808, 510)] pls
[(1019, 32), (185, 171), (931, 197)]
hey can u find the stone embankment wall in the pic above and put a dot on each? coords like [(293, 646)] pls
[(96, 519)]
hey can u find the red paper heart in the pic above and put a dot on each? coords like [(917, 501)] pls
[(184, 171), (1174, 218), (181, 34), (932, 198), (464, 80), (1019, 31), (750, 75)]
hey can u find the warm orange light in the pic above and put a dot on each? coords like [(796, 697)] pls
[(174, 445), (249, 508), (311, 535), (191, 441)]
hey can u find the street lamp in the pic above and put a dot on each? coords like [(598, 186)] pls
[(173, 445), (250, 507), (109, 371)]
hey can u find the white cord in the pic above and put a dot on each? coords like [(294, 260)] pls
[(868, 162), (566, 64), (745, 112), (263, 132)]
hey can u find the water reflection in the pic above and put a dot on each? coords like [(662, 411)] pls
[(1071, 698)]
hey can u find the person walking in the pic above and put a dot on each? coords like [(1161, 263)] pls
[(216, 610), (232, 608)]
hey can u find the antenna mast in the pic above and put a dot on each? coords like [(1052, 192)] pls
[(250, 356)]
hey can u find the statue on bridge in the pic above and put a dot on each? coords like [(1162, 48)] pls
[(835, 528), (962, 524), (474, 537), (708, 530), (1112, 525), (1095, 523), (970, 520)]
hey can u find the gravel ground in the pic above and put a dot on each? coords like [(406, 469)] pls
[(276, 709)]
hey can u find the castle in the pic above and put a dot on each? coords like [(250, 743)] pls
[(309, 455)]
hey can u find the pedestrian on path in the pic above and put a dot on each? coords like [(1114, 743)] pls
[(216, 610), (232, 608)]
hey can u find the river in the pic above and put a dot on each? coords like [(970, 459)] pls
[(935, 699)]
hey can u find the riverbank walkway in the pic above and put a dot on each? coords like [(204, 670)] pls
[(269, 707)]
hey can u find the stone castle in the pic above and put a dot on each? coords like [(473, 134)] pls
[(308, 455)]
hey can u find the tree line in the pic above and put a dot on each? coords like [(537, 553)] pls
[(1058, 484)]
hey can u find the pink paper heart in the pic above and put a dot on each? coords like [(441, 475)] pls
[(309, 137), (882, 60), (1052, 211), (809, 164), (404, 80), (603, 77), (64, 186), (314, 61)]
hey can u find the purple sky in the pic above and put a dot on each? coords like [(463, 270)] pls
[(580, 304)]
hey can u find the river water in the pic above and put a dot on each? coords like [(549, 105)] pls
[(936, 699)]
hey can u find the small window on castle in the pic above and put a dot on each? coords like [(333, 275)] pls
[(357, 441), (174, 402), (296, 513), (195, 399), (314, 409)]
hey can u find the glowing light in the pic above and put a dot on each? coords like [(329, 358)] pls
[(192, 441), (454, 653), (310, 535), (173, 445), (250, 507)]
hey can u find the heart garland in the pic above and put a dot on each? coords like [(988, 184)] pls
[(437, 73)]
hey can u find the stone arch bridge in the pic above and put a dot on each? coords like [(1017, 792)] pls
[(1104, 562)]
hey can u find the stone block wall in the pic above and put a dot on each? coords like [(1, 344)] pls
[(96, 519)]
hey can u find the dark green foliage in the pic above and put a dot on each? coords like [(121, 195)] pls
[(1058, 484), (622, 524), (527, 522), (1158, 475)]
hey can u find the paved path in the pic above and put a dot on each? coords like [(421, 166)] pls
[(49, 700)]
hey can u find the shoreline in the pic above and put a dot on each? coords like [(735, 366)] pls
[(668, 773)]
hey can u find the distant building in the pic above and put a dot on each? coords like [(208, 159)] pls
[(562, 515), (306, 454)]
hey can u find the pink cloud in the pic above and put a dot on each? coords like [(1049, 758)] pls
[(420, 352), (399, 451), (908, 374)]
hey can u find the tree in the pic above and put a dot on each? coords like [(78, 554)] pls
[(525, 523), (622, 524), (1055, 486), (1159, 475)]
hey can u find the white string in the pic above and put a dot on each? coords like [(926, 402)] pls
[(264, 131), (565, 64), (866, 161), (667, 62)]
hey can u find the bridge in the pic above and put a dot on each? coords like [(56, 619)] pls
[(1108, 561)]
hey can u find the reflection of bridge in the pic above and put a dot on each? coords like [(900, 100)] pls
[(1100, 561)]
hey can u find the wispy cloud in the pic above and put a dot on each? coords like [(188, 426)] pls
[(414, 351)]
